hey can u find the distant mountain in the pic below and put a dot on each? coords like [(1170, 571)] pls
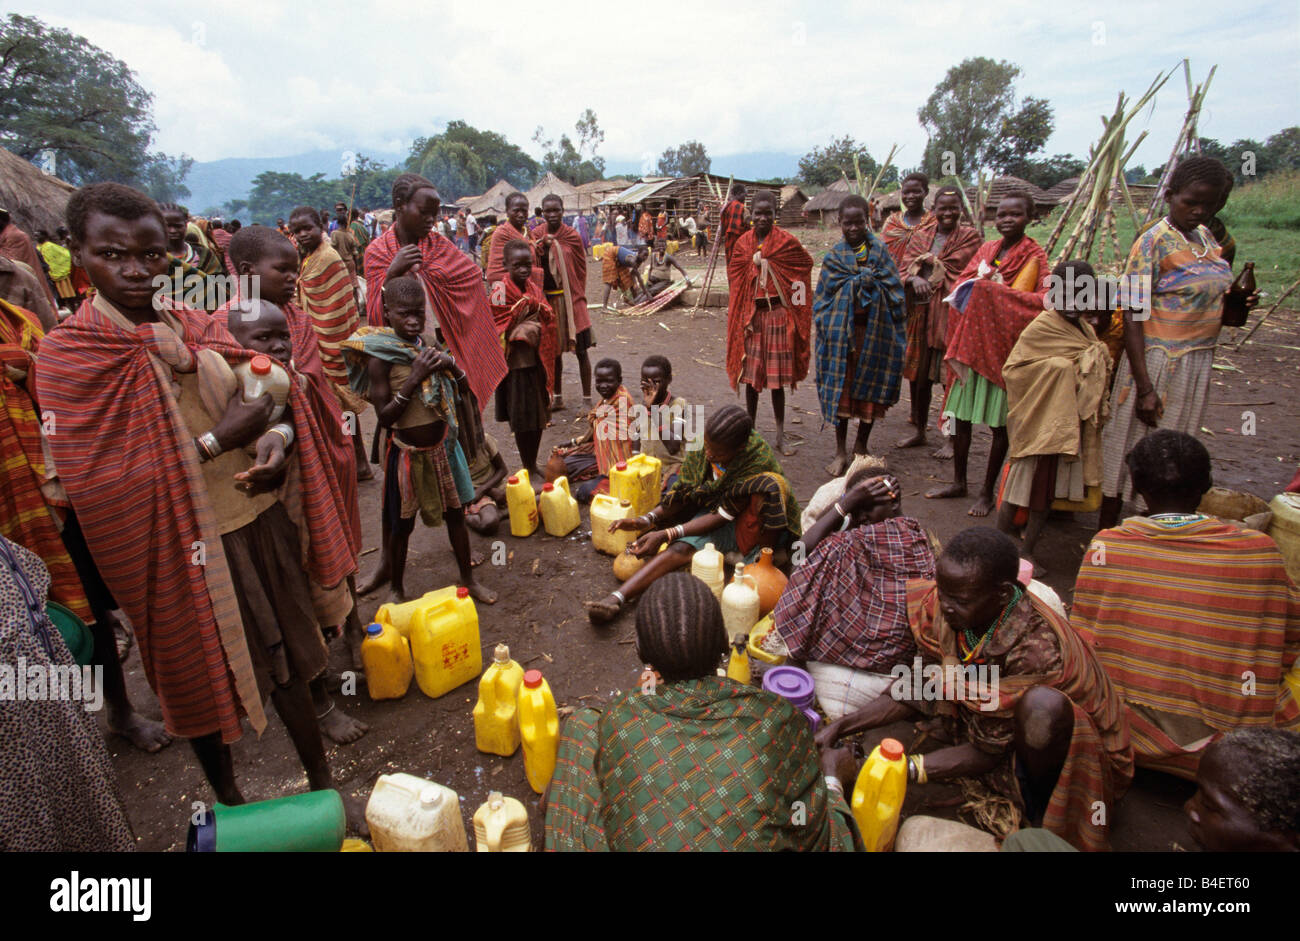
[(218, 181)]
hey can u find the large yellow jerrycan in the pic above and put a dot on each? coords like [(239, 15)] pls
[(387, 659), (606, 510), (496, 714), (539, 728), (445, 642), (501, 826), (878, 795), (636, 480), (407, 814), (560, 513), (398, 615), (521, 503)]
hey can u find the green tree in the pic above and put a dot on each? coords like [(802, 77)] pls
[(163, 177), (501, 159), (1284, 149), (969, 111), (274, 195), (566, 160), (1049, 172), (370, 185), (63, 94), (590, 137), (687, 160), (455, 169), (1135, 174), (822, 166)]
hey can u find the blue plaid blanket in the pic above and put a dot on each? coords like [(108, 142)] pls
[(844, 287)]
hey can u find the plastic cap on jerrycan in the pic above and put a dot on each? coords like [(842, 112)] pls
[(878, 795)]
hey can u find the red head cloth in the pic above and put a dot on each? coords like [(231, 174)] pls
[(454, 286), (790, 267), (511, 306), (573, 277)]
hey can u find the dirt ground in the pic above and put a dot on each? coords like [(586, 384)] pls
[(542, 586)]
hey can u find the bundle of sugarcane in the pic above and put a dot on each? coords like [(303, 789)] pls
[(656, 303), (1090, 205), (721, 196), (1187, 141), (859, 184)]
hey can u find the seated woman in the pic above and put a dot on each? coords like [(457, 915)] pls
[(1247, 801), (844, 610), (732, 493), (1042, 727), (660, 274), (692, 760), (1183, 609)]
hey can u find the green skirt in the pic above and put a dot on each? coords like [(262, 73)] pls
[(978, 401)]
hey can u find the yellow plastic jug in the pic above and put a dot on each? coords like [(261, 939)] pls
[(560, 513), (398, 616), (387, 659), (496, 716), (521, 503), (605, 510), (740, 604), (407, 814), (706, 565), (738, 664), (501, 826), (445, 642), (1285, 530), (878, 795), (636, 480), (539, 728)]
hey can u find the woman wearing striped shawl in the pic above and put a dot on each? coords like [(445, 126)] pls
[(1194, 619), (861, 321)]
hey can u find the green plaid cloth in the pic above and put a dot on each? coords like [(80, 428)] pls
[(843, 289), (705, 764), (754, 470)]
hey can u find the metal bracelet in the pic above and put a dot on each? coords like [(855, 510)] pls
[(209, 442), (285, 431)]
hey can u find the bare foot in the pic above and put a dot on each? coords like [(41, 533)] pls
[(374, 582), (341, 727), (981, 507), (945, 493), (557, 403), (943, 452), (914, 440), (354, 810), (145, 734), (398, 595), (476, 558), (482, 593), (838, 466), (604, 611), (365, 473)]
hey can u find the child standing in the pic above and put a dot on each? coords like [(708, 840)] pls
[(414, 389)]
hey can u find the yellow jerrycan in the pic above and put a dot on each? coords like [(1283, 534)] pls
[(649, 471), (496, 715), (606, 510), (707, 566), (636, 480), (407, 814), (539, 728), (501, 826), (878, 795), (445, 642), (387, 659), (521, 503), (399, 616), (560, 513)]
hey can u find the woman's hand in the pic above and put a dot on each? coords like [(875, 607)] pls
[(870, 493), (839, 763), (407, 257), (243, 421), (921, 289), (638, 524), (1149, 408), (271, 457), (649, 543), (827, 735)]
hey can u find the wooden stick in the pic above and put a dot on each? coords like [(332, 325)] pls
[(1260, 321), (713, 254)]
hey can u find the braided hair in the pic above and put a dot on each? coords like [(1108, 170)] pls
[(1194, 170), (1170, 464), (110, 199), (174, 207), (729, 427), (679, 628), (407, 185)]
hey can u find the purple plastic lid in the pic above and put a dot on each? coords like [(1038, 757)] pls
[(790, 682)]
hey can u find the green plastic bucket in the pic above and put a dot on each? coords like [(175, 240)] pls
[(302, 823), (76, 635)]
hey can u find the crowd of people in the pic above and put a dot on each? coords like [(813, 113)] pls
[(222, 536)]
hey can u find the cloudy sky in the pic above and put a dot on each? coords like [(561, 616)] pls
[(239, 79)]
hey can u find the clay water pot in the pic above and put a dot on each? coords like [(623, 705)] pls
[(769, 579)]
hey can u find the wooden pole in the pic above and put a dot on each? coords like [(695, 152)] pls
[(713, 253)]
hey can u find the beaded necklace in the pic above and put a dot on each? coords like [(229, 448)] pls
[(966, 640), (1188, 242)]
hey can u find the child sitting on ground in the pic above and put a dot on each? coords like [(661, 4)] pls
[(488, 472), (586, 460), (414, 389), (527, 328)]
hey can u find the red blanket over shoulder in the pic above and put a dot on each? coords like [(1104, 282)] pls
[(791, 265), (515, 307), (983, 335), (454, 285), (503, 235), (568, 241)]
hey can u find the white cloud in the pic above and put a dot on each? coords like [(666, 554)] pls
[(268, 79)]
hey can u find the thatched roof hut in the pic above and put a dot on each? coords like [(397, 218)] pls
[(494, 200), (548, 184), (1062, 191), (591, 195), (35, 200), (793, 200), (893, 201), (825, 206), (1042, 202)]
